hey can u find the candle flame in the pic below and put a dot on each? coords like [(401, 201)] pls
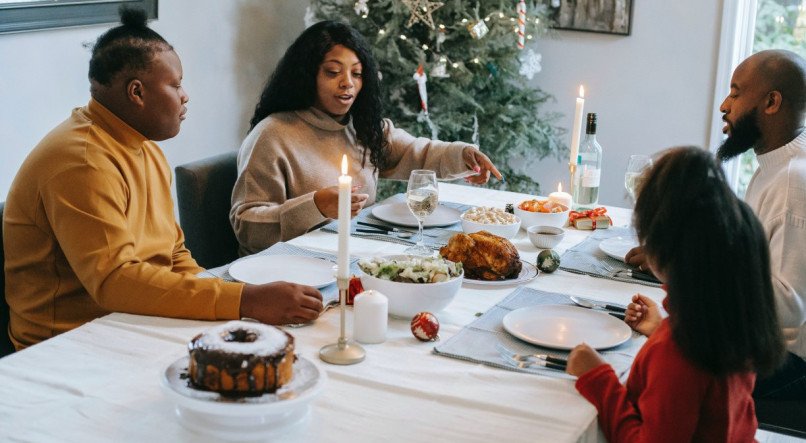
[(560, 187), (344, 164), (581, 91)]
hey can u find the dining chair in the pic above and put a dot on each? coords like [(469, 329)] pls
[(5, 342), (204, 192), (782, 416)]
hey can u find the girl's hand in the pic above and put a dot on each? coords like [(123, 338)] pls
[(643, 315), (582, 359), (477, 161), (327, 201)]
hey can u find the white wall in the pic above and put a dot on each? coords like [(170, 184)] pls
[(652, 89), (227, 49)]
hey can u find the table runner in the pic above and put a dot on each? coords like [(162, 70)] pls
[(439, 236), (329, 293), (476, 342), (586, 258)]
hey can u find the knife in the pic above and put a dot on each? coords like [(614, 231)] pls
[(392, 228), (638, 275)]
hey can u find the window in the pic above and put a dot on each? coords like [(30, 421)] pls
[(30, 15)]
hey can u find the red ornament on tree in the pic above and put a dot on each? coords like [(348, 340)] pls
[(425, 326)]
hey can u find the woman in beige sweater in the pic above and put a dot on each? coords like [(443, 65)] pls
[(323, 101)]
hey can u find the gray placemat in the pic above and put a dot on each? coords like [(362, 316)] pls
[(586, 258), (477, 341), (329, 293), (435, 237)]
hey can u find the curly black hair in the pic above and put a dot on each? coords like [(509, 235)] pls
[(129, 47), (713, 252), (292, 85)]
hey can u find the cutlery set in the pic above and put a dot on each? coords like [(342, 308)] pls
[(388, 230), (614, 310), (524, 361)]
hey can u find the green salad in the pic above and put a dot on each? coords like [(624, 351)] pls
[(411, 269)]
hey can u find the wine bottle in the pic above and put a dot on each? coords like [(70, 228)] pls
[(589, 168)]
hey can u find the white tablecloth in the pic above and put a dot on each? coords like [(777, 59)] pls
[(100, 382)]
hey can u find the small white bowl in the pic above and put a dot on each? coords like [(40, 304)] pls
[(407, 299), (506, 231), (529, 218), (545, 237)]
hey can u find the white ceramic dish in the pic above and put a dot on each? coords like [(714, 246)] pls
[(506, 231), (528, 273), (563, 327), (618, 247), (545, 237), (529, 218), (399, 214), (260, 269), (407, 299), (244, 418)]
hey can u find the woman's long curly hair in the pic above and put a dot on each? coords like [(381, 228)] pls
[(292, 86)]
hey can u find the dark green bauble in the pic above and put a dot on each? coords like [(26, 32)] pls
[(548, 261)]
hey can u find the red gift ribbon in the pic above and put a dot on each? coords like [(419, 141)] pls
[(590, 213)]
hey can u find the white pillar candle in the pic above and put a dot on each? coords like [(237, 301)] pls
[(370, 310), (561, 197), (343, 258), (576, 130)]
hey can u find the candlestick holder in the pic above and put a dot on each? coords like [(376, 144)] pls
[(342, 352), (572, 169)]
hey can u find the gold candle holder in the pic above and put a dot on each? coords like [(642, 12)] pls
[(342, 352)]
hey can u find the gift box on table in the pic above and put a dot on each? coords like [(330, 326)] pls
[(590, 219)]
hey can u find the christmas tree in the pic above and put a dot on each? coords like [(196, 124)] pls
[(477, 57)]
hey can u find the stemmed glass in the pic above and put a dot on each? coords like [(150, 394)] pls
[(422, 197), (635, 169)]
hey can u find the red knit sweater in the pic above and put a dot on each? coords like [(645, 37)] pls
[(668, 399)]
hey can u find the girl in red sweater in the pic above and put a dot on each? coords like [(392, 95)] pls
[(693, 379)]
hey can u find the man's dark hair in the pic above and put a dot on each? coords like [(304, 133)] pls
[(713, 252), (292, 86), (129, 47)]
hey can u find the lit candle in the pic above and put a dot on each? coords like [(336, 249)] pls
[(343, 259), (561, 197), (577, 128), (370, 311)]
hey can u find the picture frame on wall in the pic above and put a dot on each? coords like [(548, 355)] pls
[(602, 16)]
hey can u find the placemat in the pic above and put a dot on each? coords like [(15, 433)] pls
[(586, 258), (329, 293), (435, 238), (477, 341)]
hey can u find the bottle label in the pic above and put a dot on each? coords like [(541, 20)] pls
[(590, 177)]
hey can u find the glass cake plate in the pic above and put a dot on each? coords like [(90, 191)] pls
[(243, 418)]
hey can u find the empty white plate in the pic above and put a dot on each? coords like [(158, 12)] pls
[(563, 327), (260, 269), (399, 214), (618, 247)]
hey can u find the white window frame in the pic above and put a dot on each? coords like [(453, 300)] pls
[(736, 44)]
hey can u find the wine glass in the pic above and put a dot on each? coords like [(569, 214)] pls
[(422, 197), (636, 167)]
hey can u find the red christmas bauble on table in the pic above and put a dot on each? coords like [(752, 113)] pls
[(425, 326)]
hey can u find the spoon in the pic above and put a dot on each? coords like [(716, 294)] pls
[(590, 304)]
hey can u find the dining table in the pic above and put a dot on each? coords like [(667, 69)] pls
[(101, 382)]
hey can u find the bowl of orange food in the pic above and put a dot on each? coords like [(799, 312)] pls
[(539, 212)]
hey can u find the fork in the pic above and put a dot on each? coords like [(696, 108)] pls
[(330, 304), (528, 360)]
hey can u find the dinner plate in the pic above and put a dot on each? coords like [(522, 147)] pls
[(243, 418), (260, 269), (564, 326), (618, 247), (398, 213), (528, 272)]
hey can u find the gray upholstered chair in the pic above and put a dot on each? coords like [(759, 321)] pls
[(5, 342), (204, 192)]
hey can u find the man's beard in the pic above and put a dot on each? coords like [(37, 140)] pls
[(743, 135)]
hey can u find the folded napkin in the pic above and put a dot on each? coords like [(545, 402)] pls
[(477, 341), (586, 258), (329, 293), (437, 237)]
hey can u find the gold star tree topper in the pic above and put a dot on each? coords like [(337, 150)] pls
[(421, 11)]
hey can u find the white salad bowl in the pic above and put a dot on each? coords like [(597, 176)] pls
[(407, 299), (529, 218), (507, 231)]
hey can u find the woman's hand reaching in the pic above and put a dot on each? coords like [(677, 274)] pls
[(477, 161), (327, 201), (643, 315)]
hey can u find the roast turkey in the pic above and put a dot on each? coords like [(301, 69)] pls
[(484, 256)]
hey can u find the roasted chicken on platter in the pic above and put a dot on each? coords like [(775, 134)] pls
[(484, 256)]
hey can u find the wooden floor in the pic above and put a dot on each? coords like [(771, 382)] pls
[(769, 437)]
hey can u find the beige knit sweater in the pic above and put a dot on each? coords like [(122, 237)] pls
[(290, 155)]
